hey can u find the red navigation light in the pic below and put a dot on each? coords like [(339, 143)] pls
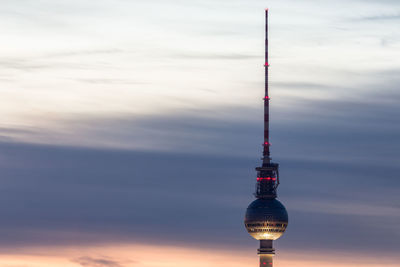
[(266, 144), (266, 178), (267, 98)]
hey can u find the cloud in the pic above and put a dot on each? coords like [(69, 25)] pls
[(326, 126), (85, 52), (97, 262), (21, 64), (108, 81), (176, 168), (382, 17), (220, 56), (52, 60), (37, 64), (64, 195)]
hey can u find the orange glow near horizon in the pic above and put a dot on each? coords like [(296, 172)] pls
[(170, 256)]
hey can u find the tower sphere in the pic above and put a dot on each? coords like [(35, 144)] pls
[(266, 219)]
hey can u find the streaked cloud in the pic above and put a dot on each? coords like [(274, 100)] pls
[(178, 256), (62, 195), (96, 262), (383, 17)]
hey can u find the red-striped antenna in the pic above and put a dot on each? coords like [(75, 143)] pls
[(266, 152)]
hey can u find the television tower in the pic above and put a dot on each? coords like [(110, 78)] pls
[(266, 218)]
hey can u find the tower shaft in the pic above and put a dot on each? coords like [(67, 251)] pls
[(266, 253), (266, 218), (266, 260)]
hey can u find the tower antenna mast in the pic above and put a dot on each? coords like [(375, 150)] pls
[(266, 152)]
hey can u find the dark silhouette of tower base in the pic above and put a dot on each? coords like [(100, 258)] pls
[(266, 218)]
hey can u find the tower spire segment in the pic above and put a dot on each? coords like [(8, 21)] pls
[(266, 152)]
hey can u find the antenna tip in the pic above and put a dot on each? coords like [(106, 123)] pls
[(267, 9)]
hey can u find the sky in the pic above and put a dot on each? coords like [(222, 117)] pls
[(130, 130)]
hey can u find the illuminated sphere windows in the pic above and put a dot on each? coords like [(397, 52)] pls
[(266, 219)]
